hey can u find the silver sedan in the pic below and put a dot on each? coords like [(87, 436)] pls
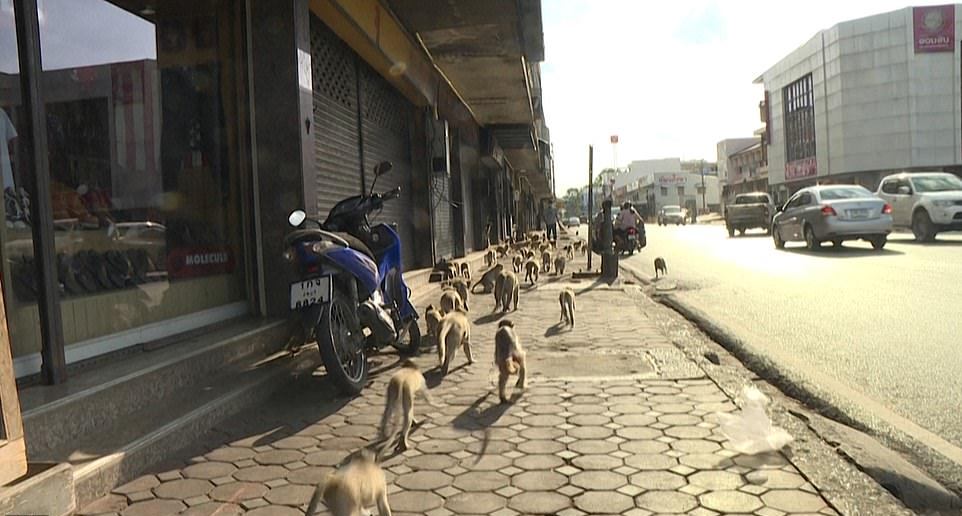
[(832, 213)]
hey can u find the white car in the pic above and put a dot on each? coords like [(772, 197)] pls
[(927, 202), (573, 222)]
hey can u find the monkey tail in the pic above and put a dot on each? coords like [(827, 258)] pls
[(511, 365), (316, 498)]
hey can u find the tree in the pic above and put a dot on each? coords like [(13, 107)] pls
[(573, 205)]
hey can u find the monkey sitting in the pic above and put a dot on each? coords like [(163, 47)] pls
[(357, 485), (509, 357), (559, 265)]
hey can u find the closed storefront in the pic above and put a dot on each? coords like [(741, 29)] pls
[(468, 155), (359, 120), (442, 215)]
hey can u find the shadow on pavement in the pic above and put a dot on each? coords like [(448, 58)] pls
[(934, 243), (557, 329), (490, 318), (843, 252), (473, 419)]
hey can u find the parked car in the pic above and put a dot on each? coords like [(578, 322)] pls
[(672, 215), (927, 202), (573, 222), (749, 211), (832, 213)]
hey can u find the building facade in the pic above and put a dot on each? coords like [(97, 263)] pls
[(148, 181), (866, 98)]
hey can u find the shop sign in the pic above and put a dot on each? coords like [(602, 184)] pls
[(934, 28), (192, 262), (800, 169), (672, 180)]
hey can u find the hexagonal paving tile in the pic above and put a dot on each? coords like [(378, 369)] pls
[(599, 480), (644, 446), (590, 432), (716, 480), (539, 480), (666, 501), (235, 492), (431, 461), (214, 509), (311, 475), (273, 510), (535, 462), (484, 481), (154, 507), (485, 463), (705, 461), (650, 461), (539, 502), (603, 502), (695, 446), (592, 446), (638, 432), (597, 462), (209, 470), (633, 420), (440, 446), (730, 501), (423, 480), (325, 457), (230, 454), (293, 495), (277, 457), (657, 480), (542, 432), (260, 473), (183, 489), (541, 446), (294, 442), (474, 503), (589, 420), (793, 501), (687, 432), (777, 479)]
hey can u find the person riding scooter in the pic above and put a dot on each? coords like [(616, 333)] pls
[(628, 218)]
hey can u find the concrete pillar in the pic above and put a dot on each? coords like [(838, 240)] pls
[(283, 122)]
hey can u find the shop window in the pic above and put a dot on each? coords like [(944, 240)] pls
[(681, 192), (664, 191), (146, 145), (799, 101)]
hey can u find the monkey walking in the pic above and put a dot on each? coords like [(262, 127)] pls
[(509, 291), (451, 301), (348, 491), (490, 257), (660, 267), (432, 318), (455, 331), (406, 383), (487, 279), (499, 290), (466, 271), (567, 301), (516, 263), (569, 252), (546, 261), (559, 265), (502, 250), (531, 271), (460, 285), (509, 357)]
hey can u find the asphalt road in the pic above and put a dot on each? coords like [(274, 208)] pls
[(878, 331)]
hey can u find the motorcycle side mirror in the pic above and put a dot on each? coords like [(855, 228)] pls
[(383, 168), (296, 218)]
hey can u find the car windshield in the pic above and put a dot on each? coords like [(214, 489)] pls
[(939, 183), (853, 192), (751, 199)]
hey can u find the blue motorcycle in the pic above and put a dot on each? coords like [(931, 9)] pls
[(351, 295)]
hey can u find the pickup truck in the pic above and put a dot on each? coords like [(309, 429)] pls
[(749, 210)]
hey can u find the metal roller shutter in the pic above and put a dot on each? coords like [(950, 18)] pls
[(385, 126), (469, 174), (336, 135), (441, 206)]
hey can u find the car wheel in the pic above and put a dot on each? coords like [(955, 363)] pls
[(922, 227), (779, 243), (837, 243), (741, 231), (768, 230), (731, 232), (811, 242), (878, 243)]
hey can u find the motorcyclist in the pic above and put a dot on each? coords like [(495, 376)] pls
[(628, 218)]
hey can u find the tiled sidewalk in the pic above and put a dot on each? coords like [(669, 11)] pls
[(615, 421)]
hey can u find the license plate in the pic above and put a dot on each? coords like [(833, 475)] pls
[(857, 214), (631, 238), (310, 292)]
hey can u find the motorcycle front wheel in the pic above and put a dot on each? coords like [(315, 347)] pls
[(341, 343)]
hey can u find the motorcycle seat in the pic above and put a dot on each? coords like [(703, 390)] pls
[(315, 234)]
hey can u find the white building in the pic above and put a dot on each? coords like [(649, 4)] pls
[(655, 183), (865, 98)]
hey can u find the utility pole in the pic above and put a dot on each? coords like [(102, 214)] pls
[(704, 203), (591, 195)]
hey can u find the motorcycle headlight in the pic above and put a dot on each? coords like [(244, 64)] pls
[(321, 246), (943, 204), (288, 255)]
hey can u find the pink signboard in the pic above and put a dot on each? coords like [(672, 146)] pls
[(800, 169), (934, 28)]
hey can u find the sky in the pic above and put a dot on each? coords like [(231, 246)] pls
[(671, 79)]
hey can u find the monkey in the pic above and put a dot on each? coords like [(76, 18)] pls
[(529, 255), (531, 271), (490, 257), (516, 263), (498, 290), (461, 286), (545, 262), (432, 317), (509, 357), (466, 272), (559, 265), (401, 389), (567, 301), (502, 250), (544, 247), (569, 252), (509, 291), (451, 301), (358, 484), (455, 331), (660, 266), (487, 279), (534, 238), (577, 245)]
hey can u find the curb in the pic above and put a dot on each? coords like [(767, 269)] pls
[(850, 490)]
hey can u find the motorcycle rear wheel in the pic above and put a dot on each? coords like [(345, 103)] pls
[(413, 340), (341, 343)]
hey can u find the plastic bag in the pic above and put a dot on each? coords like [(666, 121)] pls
[(751, 432)]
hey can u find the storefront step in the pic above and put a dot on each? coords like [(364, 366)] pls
[(162, 428), (88, 403), (422, 290)]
